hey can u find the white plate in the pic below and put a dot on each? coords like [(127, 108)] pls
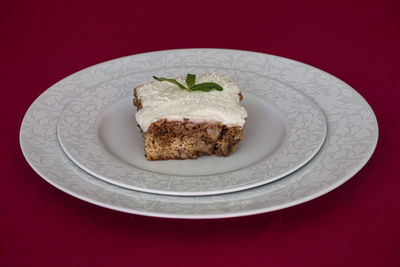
[(351, 138), (285, 129)]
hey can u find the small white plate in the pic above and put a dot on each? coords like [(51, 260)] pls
[(351, 137), (284, 130)]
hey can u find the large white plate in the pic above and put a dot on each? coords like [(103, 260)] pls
[(285, 129), (351, 138)]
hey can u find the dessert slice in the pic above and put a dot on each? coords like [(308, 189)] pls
[(184, 119)]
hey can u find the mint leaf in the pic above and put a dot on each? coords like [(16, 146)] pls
[(206, 87), (190, 80), (171, 81)]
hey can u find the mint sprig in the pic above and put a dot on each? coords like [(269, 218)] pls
[(191, 86)]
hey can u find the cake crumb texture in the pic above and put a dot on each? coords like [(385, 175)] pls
[(187, 140)]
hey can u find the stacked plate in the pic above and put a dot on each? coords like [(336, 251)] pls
[(307, 133)]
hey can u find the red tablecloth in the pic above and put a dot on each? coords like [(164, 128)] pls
[(355, 225)]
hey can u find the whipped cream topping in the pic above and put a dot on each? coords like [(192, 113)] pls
[(165, 100)]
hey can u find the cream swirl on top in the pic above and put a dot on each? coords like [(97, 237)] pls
[(165, 100)]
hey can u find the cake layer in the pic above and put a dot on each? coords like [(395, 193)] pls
[(164, 100), (189, 140)]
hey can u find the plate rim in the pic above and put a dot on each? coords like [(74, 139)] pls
[(334, 185)]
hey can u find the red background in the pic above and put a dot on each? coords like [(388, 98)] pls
[(357, 224)]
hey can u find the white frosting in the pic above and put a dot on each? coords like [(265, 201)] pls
[(165, 100)]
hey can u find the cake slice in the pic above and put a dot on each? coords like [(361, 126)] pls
[(184, 119)]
